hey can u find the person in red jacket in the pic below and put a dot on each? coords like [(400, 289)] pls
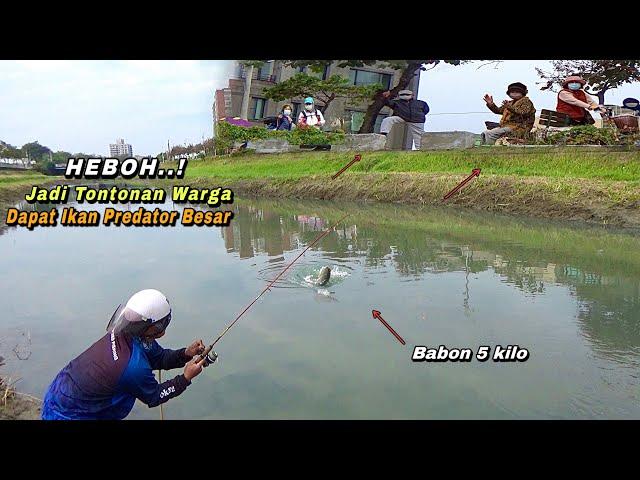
[(575, 102)]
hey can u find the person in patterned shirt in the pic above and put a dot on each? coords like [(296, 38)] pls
[(518, 114)]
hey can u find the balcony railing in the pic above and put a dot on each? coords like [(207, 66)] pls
[(258, 75)]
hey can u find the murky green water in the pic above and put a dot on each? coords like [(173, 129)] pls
[(571, 296)]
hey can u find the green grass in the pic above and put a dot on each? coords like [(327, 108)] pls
[(15, 184), (553, 163), (20, 178)]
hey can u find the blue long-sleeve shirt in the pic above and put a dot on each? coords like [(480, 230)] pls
[(413, 111), (103, 382)]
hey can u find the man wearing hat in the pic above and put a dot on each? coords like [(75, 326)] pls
[(518, 114), (407, 110), (575, 102), (310, 116)]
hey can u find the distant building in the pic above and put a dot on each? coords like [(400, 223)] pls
[(228, 101), (120, 149)]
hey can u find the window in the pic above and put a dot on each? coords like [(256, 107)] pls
[(379, 118), (296, 110), (258, 107), (265, 71), (323, 75), (356, 119), (363, 77)]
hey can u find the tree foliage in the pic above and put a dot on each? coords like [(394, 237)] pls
[(601, 75), (407, 68), (9, 151), (35, 151), (325, 91)]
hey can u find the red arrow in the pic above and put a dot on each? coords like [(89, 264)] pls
[(355, 159), (474, 173), (376, 314)]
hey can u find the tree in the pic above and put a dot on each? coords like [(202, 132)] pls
[(9, 151), (61, 156), (326, 91), (601, 75), (408, 69), (35, 151)]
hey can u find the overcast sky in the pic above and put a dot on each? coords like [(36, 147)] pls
[(82, 106), (85, 105)]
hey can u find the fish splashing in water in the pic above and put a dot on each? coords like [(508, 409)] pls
[(324, 276)]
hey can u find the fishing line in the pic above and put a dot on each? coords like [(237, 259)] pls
[(211, 359), (458, 113)]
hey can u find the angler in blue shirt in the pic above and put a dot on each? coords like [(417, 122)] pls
[(104, 381)]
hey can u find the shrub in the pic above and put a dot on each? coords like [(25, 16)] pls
[(228, 134), (584, 135)]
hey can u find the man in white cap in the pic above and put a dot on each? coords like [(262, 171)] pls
[(104, 381), (406, 110)]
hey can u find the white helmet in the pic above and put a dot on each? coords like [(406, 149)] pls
[(144, 309)]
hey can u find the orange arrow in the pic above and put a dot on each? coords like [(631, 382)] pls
[(474, 173), (355, 159), (376, 314)]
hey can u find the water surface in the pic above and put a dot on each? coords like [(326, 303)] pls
[(570, 295)]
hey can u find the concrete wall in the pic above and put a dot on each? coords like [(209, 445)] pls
[(448, 140), (357, 143)]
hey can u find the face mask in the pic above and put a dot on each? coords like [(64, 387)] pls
[(574, 86), (308, 107), (287, 112), (405, 97)]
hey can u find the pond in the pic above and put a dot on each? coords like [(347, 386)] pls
[(570, 295)]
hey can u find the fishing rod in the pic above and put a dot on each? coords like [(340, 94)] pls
[(209, 356)]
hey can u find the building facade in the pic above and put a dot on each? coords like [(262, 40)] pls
[(228, 101), (120, 149)]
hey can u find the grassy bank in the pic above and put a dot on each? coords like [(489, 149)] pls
[(15, 183), (570, 183), (546, 162), (11, 178)]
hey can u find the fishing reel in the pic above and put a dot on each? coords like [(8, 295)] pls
[(210, 359)]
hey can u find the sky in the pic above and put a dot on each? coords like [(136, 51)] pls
[(83, 106)]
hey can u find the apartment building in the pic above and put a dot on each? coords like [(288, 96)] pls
[(228, 101), (120, 149)]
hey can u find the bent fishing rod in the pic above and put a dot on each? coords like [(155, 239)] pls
[(209, 356)]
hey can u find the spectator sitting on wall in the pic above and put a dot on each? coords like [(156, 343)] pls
[(310, 116), (285, 120), (407, 110), (632, 104), (575, 102), (518, 114)]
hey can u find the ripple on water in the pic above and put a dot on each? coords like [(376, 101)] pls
[(303, 275)]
